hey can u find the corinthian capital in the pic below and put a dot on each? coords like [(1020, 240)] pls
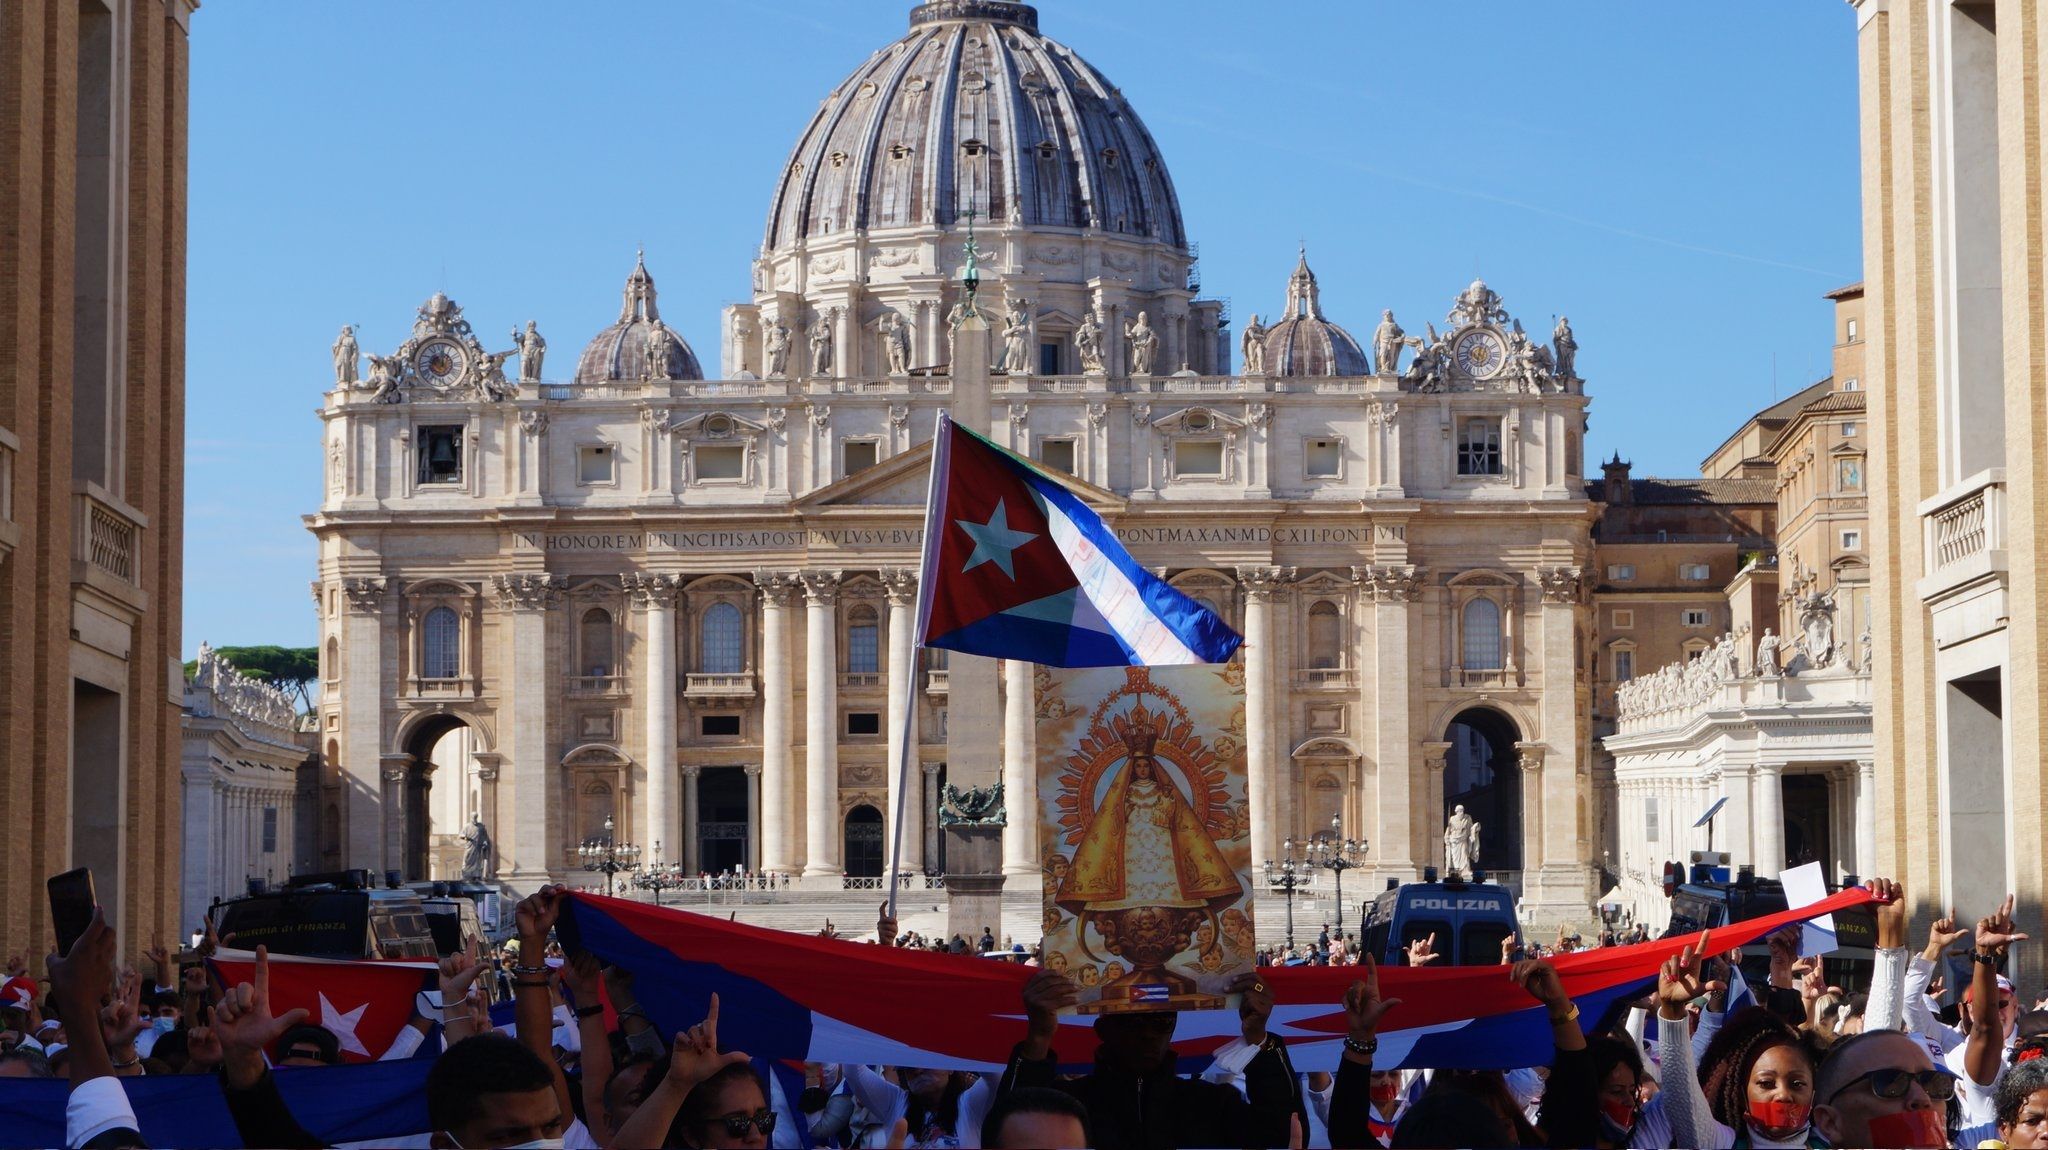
[(1260, 582), (820, 587), (1395, 583), (527, 591), (900, 585), (1562, 584), (365, 594), (775, 586), (652, 589)]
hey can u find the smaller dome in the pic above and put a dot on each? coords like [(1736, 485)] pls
[(1303, 342), (620, 351)]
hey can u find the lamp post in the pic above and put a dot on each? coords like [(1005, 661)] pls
[(1284, 877), (1330, 851), (608, 857), (659, 876)]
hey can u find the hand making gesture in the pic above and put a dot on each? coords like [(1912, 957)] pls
[(243, 1023), (1422, 951), (1682, 980)]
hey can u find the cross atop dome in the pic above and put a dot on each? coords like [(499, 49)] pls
[(1304, 299), (639, 296)]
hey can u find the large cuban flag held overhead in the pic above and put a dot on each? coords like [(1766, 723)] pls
[(786, 996), (1017, 567)]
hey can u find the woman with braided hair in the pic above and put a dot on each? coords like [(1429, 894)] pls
[(1755, 1087)]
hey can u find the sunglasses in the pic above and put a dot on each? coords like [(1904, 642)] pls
[(736, 1124), (1889, 1083)]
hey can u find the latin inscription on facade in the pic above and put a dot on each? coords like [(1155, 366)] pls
[(911, 538)]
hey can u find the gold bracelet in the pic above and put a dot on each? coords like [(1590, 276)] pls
[(1571, 1015)]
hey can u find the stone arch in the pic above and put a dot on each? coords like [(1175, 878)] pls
[(413, 721), (862, 828), (1483, 774)]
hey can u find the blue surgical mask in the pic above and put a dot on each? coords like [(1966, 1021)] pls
[(164, 1025)]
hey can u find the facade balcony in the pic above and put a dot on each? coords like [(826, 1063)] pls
[(105, 536), (860, 680), (1963, 554), (1503, 677), (597, 684), (718, 686), (1327, 678), (935, 683)]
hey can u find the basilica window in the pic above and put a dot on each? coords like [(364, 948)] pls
[(1624, 665), (270, 830), (719, 641), (1650, 819), (1057, 454), (597, 465), (726, 462), (863, 642), (332, 670), (1198, 459), (1693, 618), (440, 455), (1325, 636), (858, 455), (1049, 357), (1852, 540), (1322, 458), (719, 726), (1479, 447), (441, 644), (1695, 572), (595, 641), (1481, 619), (863, 722)]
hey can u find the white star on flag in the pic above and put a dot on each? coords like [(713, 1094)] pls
[(994, 542), (343, 1026)]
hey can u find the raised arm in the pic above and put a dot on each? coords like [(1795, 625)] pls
[(532, 1009), (1995, 935), (583, 977), (1680, 981), (693, 1059), (1886, 1010)]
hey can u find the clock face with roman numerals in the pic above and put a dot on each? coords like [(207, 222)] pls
[(440, 362), (1479, 353)]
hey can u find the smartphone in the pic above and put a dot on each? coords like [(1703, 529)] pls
[(71, 906)]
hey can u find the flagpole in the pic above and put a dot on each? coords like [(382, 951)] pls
[(906, 724)]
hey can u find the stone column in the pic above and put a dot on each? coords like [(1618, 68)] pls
[(754, 847), (1260, 781), (487, 805), (822, 847), (656, 595), (395, 804), (364, 695), (928, 810), (1535, 808), (527, 842), (1020, 771), (1566, 881), (1866, 818), (776, 805), (901, 587), (684, 849), (1399, 829), (1770, 819)]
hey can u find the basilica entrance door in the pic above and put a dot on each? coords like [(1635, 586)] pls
[(864, 842), (721, 820)]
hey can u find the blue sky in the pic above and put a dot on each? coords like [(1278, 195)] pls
[(1679, 179)]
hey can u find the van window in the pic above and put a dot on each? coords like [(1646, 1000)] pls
[(1479, 943), (1416, 929)]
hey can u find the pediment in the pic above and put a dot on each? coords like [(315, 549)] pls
[(903, 480)]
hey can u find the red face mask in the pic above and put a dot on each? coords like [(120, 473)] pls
[(1910, 1128), (1622, 1114), (1780, 1115), (1385, 1092)]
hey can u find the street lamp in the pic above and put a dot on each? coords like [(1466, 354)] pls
[(608, 857), (1284, 877), (1336, 854), (659, 876)]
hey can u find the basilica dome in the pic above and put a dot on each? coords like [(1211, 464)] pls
[(1302, 342), (621, 350), (974, 108)]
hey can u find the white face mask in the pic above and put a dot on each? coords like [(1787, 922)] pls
[(554, 1143), (164, 1025)]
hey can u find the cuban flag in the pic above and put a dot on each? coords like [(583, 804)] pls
[(1017, 567), (823, 1000), (364, 1003)]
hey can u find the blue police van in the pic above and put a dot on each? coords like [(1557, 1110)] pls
[(1469, 920)]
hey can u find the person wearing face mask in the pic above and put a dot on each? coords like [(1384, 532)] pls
[(708, 1098), (1881, 1088), (1758, 1079), (1625, 1119)]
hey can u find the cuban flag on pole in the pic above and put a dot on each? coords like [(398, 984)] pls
[(1017, 567)]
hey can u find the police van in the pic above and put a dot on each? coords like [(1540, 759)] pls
[(1711, 901), (1469, 920), (344, 915)]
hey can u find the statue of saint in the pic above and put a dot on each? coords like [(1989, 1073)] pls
[(531, 350), (896, 343), (1818, 622), (1088, 345), (476, 852), (345, 357), (1767, 655), (1145, 846), (821, 345), (1460, 832), (491, 384), (1254, 343), (1016, 356), (1144, 344), (777, 347), (384, 377), (657, 352), (1387, 341), (1566, 348)]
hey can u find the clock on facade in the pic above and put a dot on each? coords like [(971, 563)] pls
[(440, 362), (1479, 353)]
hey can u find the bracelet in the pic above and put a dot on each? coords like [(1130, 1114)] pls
[(1986, 959), (1367, 1048), (127, 1064), (520, 968), (1571, 1015), (591, 1011), (531, 983)]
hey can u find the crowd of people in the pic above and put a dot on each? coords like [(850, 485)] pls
[(1706, 1060)]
